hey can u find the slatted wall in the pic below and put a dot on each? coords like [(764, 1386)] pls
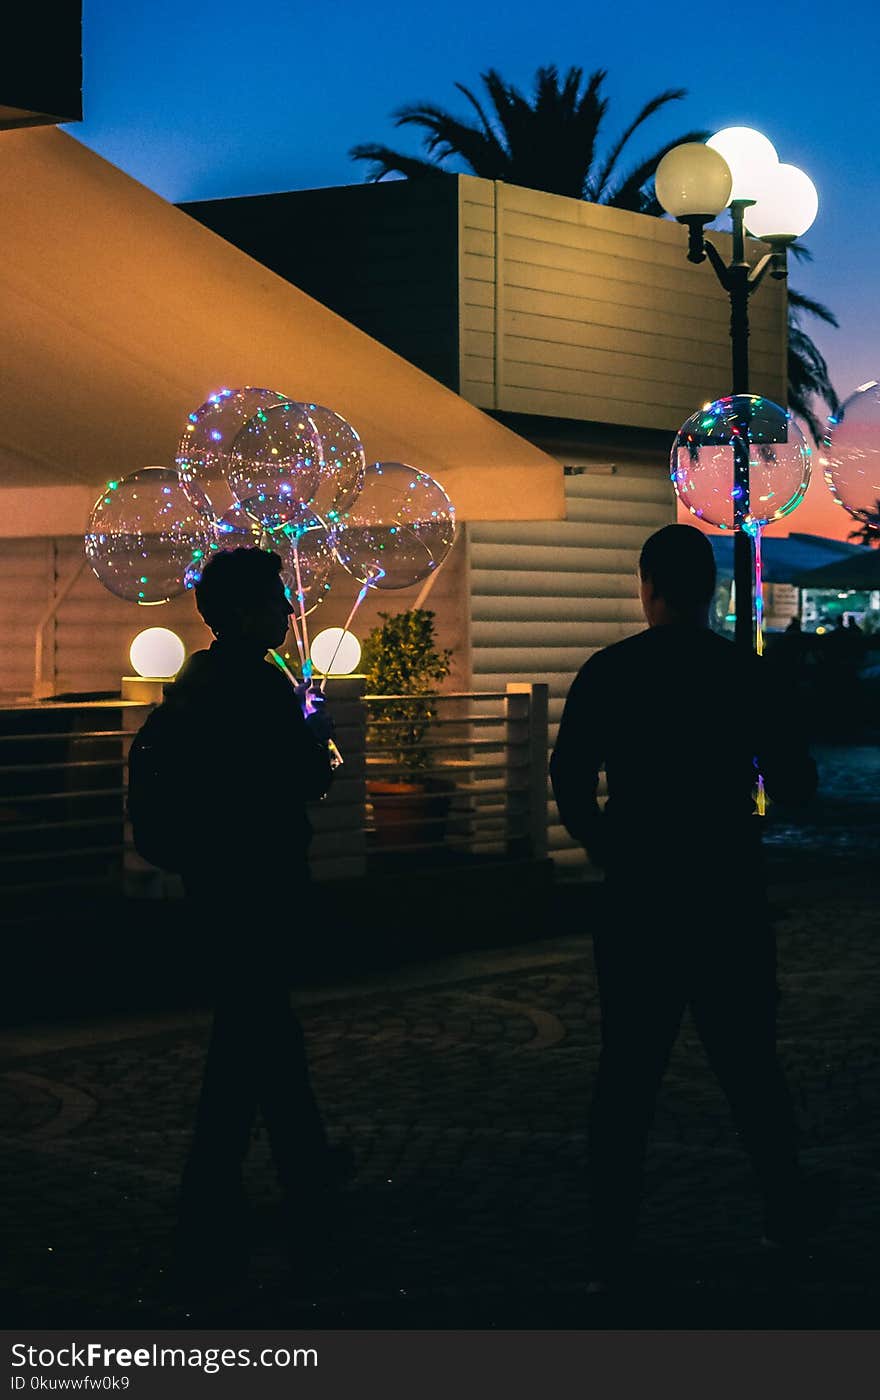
[(544, 596), (577, 311), (86, 645)]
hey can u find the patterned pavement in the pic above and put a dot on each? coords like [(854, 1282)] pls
[(461, 1089)]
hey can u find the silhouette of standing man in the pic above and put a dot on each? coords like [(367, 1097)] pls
[(254, 761), (678, 716)]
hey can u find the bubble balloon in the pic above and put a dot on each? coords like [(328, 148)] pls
[(851, 456), (342, 474), (399, 530), (206, 441), (237, 529), (275, 463), (147, 539), (307, 559), (702, 462)]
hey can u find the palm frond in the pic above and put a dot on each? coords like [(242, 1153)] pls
[(798, 302), (671, 95), (385, 161), (629, 194), (447, 135)]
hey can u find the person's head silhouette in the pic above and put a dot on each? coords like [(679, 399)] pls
[(242, 599), (677, 576)]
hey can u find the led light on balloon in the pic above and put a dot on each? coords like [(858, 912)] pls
[(851, 455), (336, 652), (157, 653), (704, 461), (146, 538)]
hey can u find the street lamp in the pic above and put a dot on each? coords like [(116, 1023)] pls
[(776, 203)]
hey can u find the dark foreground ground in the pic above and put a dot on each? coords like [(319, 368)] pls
[(461, 1086)]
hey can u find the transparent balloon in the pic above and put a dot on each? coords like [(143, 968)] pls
[(305, 546), (275, 464), (399, 530), (851, 455), (236, 528), (761, 434), (206, 441), (344, 463), (147, 539)]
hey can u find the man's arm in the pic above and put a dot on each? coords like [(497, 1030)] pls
[(577, 758)]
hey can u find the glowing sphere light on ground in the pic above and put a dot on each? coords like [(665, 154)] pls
[(275, 463), (399, 530), (851, 455), (336, 652), (702, 462), (147, 539), (207, 438), (157, 653)]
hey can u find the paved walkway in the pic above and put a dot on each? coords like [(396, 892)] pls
[(462, 1089)]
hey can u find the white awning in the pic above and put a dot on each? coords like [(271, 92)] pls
[(120, 314)]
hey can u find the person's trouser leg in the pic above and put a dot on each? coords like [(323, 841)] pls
[(734, 1008), (642, 998), (287, 1102)]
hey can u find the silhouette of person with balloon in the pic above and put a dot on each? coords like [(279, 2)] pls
[(679, 716), (256, 761)]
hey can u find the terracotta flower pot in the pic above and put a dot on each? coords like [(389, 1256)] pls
[(409, 814)]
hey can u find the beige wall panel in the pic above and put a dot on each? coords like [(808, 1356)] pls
[(589, 407), (650, 485), (477, 320), (547, 583), (649, 297), (477, 217), (479, 242), (479, 394), (480, 343), (582, 310), (589, 294), (475, 293), (478, 369), (525, 557), (513, 610), (477, 267)]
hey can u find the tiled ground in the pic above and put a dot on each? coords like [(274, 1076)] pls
[(461, 1089)]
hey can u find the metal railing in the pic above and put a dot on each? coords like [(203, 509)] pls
[(459, 777)]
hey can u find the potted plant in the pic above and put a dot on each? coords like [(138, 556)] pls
[(402, 661)]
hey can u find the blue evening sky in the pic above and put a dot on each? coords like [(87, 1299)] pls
[(199, 99)]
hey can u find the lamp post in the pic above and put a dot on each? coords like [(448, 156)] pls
[(738, 169)]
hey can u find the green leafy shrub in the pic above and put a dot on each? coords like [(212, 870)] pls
[(401, 660)]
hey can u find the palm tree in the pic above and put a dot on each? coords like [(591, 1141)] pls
[(547, 143), (550, 142), (869, 530)]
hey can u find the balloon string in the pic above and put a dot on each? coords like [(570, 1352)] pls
[(348, 621), (761, 799), (299, 646), (302, 602)]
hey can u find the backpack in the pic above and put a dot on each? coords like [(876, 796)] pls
[(159, 796)]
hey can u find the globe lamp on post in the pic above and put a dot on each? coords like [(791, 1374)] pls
[(777, 203)]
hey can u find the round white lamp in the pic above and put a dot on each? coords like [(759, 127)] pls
[(693, 181), (336, 652), (787, 209), (157, 653), (751, 157)]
